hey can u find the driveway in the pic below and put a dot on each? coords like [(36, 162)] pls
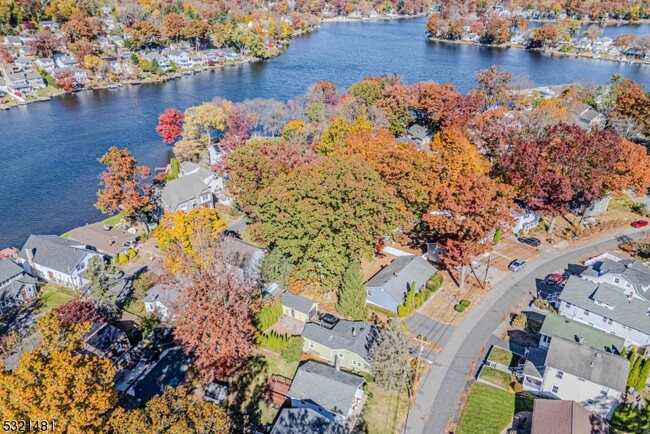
[(437, 399)]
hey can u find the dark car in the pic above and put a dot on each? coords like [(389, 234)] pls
[(530, 241), (639, 223), (517, 265), (554, 279), (328, 320)]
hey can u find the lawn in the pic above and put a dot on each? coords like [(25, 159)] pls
[(496, 377), (385, 412), (54, 296), (504, 357), (489, 410), (135, 307), (113, 220)]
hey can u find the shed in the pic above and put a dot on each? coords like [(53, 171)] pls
[(298, 307)]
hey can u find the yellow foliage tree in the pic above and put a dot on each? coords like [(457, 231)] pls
[(454, 154)]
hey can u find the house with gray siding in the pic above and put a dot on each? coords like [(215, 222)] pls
[(186, 193), (387, 289), (16, 286)]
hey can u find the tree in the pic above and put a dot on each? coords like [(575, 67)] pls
[(5, 55), (203, 120), (144, 34), (55, 382), (276, 268), (170, 125), (322, 215), (65, 79), (352, 294), (77, 312), (81, 27), (455, 155), (174, 26), (123, 185), (214, 318), (494, 85), (390, 354), (101, 272), (624, 40), (631, 168), (633, 102), (44, 43), (175, 411)]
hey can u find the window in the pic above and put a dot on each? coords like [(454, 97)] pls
[(581, 379), (586, 312), (370, 293), (559, 374), (590, 401), (311, 344), (617, 280), (568, 305), (340, 355), (555, 389)]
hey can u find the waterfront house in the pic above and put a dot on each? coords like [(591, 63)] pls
[(631, 275), (387, 289), (556, 326), (609, 308), (163, 62), (16, 286), (571, 371), (46, 63), (332, 393), (186, 193), (197, 59), (552, 416), (230, 55), (180, 58), (211, 179), (57, 259), (298, 307), (304, 420), (65, 61), (23, 82), (347, 344)]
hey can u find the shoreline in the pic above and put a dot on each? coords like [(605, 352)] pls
[(552, 52)]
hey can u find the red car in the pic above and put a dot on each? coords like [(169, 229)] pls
[(639, 223), (554, 279)]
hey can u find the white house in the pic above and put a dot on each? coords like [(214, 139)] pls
[(180, 58), (186, 193), (159, 300), (162, 61), (628, 274), (570, 371), (334, 394), (57, 259), (65, 62), (46, 63)]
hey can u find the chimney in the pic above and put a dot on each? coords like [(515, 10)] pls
[(354, 332), (581, 340)]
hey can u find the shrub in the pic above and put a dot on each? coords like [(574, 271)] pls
[(520, 320), (434, 283), (497, 236), (292, 352), (465, 303), (402, 311), (142, 284), (459, 308), (132, 253), (272, 341), (121, 259), (517, 387), (639, 208), (268, 316)]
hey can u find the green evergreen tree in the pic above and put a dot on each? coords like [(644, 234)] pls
[(352, 294), (644, 371), (635, 365)]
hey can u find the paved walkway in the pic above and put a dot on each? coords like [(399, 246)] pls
[(437, 398)]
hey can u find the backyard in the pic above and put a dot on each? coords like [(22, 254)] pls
[(496, 377), (385, 412), (489, 409), (504, 357), (53, 296)]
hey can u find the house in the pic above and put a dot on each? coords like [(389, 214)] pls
[(65, 61), (16, 286), (106, 342), (609, 308), (298, 307), (18, 80), (211, 179), (346, 344), (628, 274), (159, 300), (162, 61), (80, 75), (46, 64), (565, 328), (418, 133), (334, 394), (586, 117), (525, 220), (152, 379), (186, 193), (552, 416), (388, 288), (57, 259), (47, 24), (242, 255), (180, 58), (229, 54), (197, 60), (571, 371), (14, 41), (304, 420)]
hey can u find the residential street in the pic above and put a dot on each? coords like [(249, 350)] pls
[(438, 395)]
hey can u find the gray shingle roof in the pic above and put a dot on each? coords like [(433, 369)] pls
[(304, 421), (297, 302), (354, 336), (596, 366), (9, 269), (55, 252), (181, 190), (397, 275), (165, 294), (631, 312), (329, 388), (634, 271), (535, 362)]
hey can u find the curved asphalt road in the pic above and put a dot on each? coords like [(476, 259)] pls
[(438, 395)]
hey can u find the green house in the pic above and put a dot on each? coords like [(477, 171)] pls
[(346, 344), (298, 307)]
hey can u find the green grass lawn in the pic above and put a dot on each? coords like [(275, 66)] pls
[(504, 357), (53, 296), (386, 411), (496, 377), (135, 307), (113, 220), (489, 409)]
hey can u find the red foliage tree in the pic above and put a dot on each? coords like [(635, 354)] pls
[(44, 43), (5, 55), (170, 125), (77, 312), (65, 79), (240, 122)]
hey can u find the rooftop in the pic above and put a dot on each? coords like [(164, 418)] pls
[(552, 416), (181, 190), (395, 277), (54, 252), (559, 326), (354, 336), (303, 421)]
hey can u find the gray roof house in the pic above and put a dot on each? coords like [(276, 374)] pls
[(571, 371), (214, 182), (388, 288), (552, 416), (106, 341), (586, 117), (186, 193), (606, 307), (16, 286), (298, 307), (243, 255), (334, 394), (629, 274), (159, 300), (347, 344), (57, 259), (303, 421)]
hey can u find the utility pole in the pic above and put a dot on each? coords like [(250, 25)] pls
[(487, 268), (416, 379)]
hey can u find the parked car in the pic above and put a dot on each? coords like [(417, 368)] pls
[(530, 241), (517, 265), (639, 223), (554, 279)]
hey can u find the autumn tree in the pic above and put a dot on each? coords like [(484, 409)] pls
[(213, 316), (321, 216), (352, 294), (55, 382), (494, 86), (5, 55), (390, 356), (144, 34), (201, 122), (81, 27), (65, 79), (175, 411), (174, 26), (170, 125), (123, 188), (44, 43), (631, 168), (77, 312), (454, 154), (632, 102)]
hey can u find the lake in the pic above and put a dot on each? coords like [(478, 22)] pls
[(48, 151)]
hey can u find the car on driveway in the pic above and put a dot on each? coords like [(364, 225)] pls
[(530, 241), (639, 223), (517, 265), (554, 279)]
